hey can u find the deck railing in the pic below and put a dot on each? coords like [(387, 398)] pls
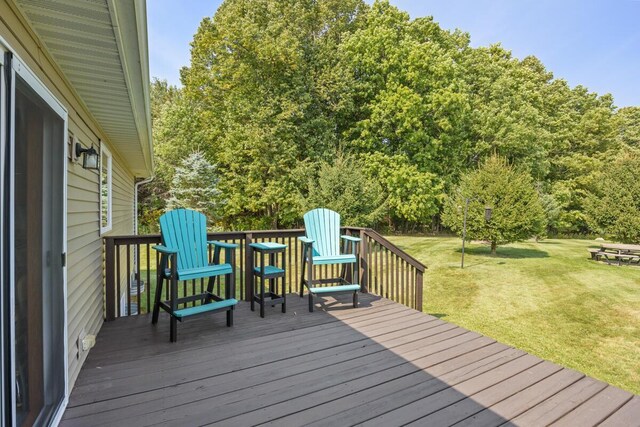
[(130, 268)]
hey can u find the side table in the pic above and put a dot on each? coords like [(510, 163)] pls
[(270, 272)]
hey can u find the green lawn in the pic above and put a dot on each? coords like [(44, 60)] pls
[(545, 298)]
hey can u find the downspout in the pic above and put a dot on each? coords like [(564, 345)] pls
[(135, 202), (136, 273)]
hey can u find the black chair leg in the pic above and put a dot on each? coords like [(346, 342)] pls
[(262, 298), (173, 333), (253, 292), (210, 284), (284, 302), (310, 302), (156, 303), (302, 278), (229, 318), (355, 299)]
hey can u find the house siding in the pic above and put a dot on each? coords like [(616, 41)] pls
[(85, 296)]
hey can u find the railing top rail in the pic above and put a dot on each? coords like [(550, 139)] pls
[(393, 248), (155, 238), (152, 238)]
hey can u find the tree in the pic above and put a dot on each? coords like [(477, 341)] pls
[(343, 187), (507, 116), (628, 126), (263, 76), (517, 213), (194, 186), (411, 196), (409, 94), (613, 208)]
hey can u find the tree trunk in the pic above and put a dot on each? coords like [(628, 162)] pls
[(494, 245)]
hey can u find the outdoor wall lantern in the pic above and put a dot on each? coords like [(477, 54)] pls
[(89, 156)]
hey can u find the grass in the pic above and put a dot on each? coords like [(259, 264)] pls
[(545, 298)]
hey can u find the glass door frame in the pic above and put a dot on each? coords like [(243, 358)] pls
[(5, 398), (19, 68)]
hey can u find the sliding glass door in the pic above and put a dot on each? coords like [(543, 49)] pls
[(34, 242)]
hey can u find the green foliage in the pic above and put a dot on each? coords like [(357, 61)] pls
[(411, 196), (628, 126), (507, 116), (614, 206), (410, 98), (262, 74), (517, 213), (275, 88), (552, 211), (194, 186), (343, 187)]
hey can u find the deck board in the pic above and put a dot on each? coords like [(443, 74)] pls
[(379, 364)]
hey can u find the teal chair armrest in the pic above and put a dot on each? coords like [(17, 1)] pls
[(164, 249), (351, 238), (223, 244), (306, 240)]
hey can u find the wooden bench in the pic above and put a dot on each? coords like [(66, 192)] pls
[(629, 258), (595, 253)]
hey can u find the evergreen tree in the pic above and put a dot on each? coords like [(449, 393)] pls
[(194, 186), (517, 213)]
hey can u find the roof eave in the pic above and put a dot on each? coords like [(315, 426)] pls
[(129, 20)]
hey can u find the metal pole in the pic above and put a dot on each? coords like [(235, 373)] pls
[(464, 229)]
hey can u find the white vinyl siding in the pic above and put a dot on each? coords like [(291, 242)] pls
[(85, 295)]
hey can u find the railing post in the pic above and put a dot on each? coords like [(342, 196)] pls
[(419, 278), (110, 283), (364, 265), (248, 267)]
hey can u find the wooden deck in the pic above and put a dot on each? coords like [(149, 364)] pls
[(381, 364)]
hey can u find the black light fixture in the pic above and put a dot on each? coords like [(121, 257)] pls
[(487, 213), (89, 156)]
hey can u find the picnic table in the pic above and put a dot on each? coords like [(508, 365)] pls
[(618, 252)]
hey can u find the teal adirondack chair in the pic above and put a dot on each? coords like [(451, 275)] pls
[(184, 256), (321, 246)]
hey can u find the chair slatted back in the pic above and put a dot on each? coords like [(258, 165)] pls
[(323, 226), (185, 230)]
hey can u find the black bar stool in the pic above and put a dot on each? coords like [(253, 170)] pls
[(271, 273)]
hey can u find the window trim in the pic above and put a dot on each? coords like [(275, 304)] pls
[(105, 154)]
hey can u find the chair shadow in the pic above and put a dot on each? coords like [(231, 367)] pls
[(438, 315), (506, 252), (343, 302)]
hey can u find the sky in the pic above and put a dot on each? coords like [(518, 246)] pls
[(592, 43)]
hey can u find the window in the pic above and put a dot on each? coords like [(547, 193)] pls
[(105, 189)]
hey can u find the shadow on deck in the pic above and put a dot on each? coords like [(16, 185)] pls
[(380, 364)]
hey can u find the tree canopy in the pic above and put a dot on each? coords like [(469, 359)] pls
[(613, 208), (276, 89)]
